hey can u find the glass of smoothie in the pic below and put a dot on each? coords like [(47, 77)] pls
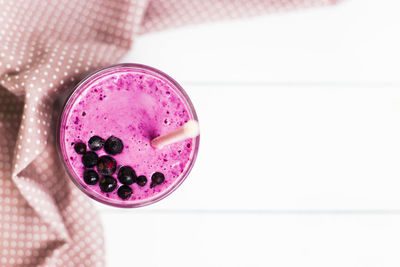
[(105, 134)]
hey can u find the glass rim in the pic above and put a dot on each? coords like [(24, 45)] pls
[(70, 99)]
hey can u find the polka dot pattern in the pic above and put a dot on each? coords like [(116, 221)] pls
[(161, 14), (45, 48)]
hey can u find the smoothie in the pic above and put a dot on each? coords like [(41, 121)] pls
[(105, 132)]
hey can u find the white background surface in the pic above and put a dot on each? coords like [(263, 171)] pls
[(299, 162)]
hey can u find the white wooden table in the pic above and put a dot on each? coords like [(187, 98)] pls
[(299, 162)]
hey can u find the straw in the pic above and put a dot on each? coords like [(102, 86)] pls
[(189, 130)]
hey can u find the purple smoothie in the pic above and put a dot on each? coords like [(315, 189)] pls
[(134, 103)]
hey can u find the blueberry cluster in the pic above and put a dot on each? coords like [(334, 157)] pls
[(107, 165)]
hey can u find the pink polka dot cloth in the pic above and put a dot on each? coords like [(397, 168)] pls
[(45, 47)]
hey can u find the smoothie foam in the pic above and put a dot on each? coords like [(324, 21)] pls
[(134, 104)]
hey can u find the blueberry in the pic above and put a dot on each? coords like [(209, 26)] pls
[(90, 177), (89, 159), (124, 192), (80, 148), (96, 143), (106, 165), (156, 179), (126, 175), (113, 145), (107, 184), (141, 180)]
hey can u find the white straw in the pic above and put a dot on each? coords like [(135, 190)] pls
[(188, 130)]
